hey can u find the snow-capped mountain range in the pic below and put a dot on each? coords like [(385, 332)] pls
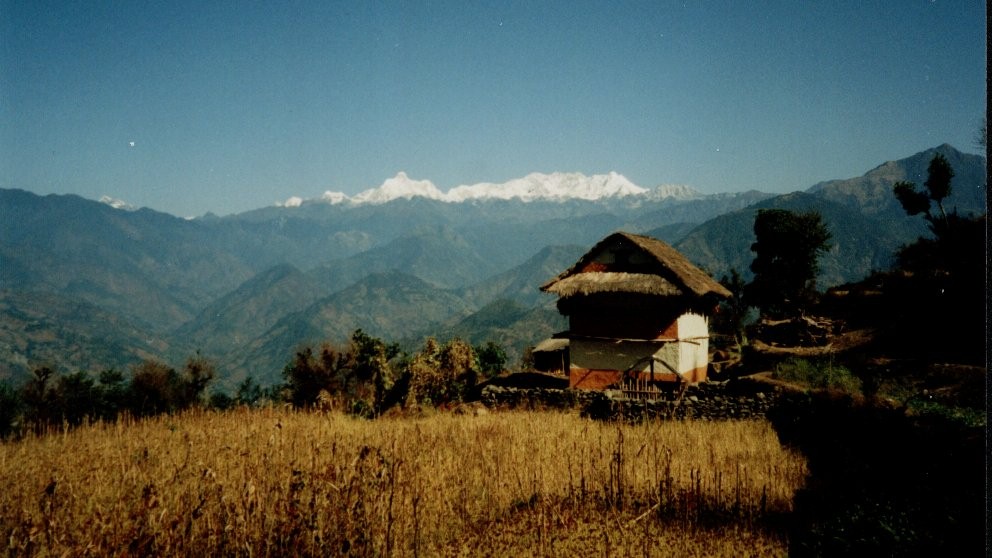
[(558, 186)]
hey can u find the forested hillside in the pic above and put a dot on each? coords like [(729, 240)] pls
[(87, 286)]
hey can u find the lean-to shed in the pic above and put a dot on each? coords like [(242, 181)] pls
[(551, 355), (635, 305)]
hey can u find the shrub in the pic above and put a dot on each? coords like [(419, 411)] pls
[(492, 359), (248, 392), (49, 399), (818, 374), (427, 385), (359, 379), (441, 374), (951, 413), (221, 401)]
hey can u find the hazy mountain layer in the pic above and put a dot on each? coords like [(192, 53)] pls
[(89, 285)]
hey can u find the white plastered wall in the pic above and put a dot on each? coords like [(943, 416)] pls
[(693, 347), (690, 352)]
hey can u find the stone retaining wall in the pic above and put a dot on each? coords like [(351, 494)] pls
[(735, 399)]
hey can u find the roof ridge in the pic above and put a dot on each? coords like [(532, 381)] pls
[(679, 269)]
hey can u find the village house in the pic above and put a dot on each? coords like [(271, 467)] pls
[(638, 312)]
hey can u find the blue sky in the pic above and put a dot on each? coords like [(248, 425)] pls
[(235, 105)]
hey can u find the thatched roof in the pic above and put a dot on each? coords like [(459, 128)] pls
[(612, 282), (551, 345), (667, 272)]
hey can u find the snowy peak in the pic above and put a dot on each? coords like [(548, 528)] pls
[(294, 201), (334, 197), (400, 186), (557, 187), (117, 204)]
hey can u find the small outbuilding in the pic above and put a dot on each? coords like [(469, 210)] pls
[(551, 355), (638, 311)]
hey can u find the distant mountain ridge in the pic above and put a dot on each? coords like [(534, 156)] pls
[(557, 186), (867, 222), (85, 285), (871, 193)]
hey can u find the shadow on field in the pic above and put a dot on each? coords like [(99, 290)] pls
[(883, 482)]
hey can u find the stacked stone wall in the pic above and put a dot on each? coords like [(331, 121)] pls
[(736, 399)]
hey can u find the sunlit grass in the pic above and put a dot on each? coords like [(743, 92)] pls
[(280, 482)]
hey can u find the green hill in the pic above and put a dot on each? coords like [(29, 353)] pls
[(390, 305)]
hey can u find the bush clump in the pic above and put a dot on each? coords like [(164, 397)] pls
[(818, 374), (371, 376), (442, 374)]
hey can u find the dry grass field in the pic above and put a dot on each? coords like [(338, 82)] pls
[(280, 482)]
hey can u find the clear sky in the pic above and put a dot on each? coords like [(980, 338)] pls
[(189, 107)]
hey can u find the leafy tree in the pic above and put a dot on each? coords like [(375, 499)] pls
[(943, 277), (113, 394), (426, 384), (248, 392), (304, 378), (77, 398), (787, 248), (198, 372), (153, 388), (39, 398), (458, 362), (938, 188), (158, 388), (360, 377), (492, 358), (307, 375), (733, 311), (957, 246), (371, 369)]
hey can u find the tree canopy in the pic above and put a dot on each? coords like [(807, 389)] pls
[(938, 187), (786, 250), (943, 277)]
